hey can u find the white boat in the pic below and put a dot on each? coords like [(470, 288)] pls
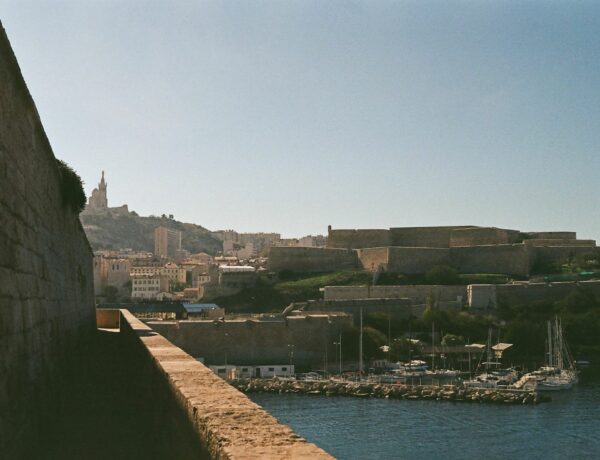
[(560, 372), (493, 377)]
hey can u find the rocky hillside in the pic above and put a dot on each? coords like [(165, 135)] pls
[(116, 230)]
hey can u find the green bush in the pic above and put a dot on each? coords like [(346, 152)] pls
[(71, 188), (442, 274)]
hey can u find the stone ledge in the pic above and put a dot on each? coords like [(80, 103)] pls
[(227, 423)]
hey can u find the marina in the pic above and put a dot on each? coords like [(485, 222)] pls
[(565, 428)]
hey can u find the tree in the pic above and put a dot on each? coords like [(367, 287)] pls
[(453, 340)]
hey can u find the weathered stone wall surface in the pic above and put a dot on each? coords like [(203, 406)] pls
[(356, 239), (255, 342), (482, 236), (563, 254), (559, 242), (374, 259), (553, 235), (196, 413), (510, 259), (520, 293), (416, 260), (312, 259), (416, 293), (423, 237), (46, 291)]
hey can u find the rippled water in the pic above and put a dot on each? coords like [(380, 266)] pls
[(349, 428)]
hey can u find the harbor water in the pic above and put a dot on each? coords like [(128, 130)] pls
[(359, 428)]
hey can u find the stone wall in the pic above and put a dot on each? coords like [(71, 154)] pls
[(548, 255), (510, 259), (489, 296), (46, 291), (423, 237), (553, 235), (356, 239), (482, 236), (255, 342), (540, 242), (416, 260), (195, 413), (374, 259), (306, 260), (416, 293)]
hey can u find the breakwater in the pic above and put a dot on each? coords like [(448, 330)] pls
[(389, 391)]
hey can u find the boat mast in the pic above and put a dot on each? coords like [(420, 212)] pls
[(360, 345), (550, 349), (489, 349), (432, 346)]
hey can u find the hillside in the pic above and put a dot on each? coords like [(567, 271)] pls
[(116, 230)]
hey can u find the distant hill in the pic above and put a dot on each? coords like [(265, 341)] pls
[(118, 229)]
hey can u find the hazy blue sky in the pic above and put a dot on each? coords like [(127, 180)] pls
[(288, 116)]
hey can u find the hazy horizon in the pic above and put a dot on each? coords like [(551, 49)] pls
[(290, 116)]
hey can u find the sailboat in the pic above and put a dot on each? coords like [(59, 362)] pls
[(493, 378), (559, 372)]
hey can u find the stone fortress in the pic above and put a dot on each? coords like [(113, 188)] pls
[(415, 250)]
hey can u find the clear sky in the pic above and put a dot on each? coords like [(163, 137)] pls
[(289, 116)]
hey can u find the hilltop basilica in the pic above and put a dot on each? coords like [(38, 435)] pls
[(98, 201)]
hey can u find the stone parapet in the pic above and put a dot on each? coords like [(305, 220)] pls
[(225, 423)]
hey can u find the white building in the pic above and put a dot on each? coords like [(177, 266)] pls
[(148, 286), (232, 371)]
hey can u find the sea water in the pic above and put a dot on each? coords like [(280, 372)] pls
[(356, 428)]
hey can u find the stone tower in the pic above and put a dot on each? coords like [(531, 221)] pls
[(98, 200)]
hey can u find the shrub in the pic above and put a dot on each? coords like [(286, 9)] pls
[(442, 274), (71, 188)]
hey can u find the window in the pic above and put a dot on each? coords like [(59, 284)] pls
[(284, 368), (271, 369)]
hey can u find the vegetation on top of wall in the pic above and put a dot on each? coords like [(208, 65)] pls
[(71, 188)]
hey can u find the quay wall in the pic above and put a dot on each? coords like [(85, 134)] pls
[(197, 414), (255, 342), (307, 260), (46, 279)]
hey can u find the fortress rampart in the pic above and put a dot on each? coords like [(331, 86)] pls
[(312, 259), (46, 291)]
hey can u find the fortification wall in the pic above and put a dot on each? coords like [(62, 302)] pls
[(520, 293), (356, 239), (416, 260), (46, 291), (482, 236), (423, 237), (559, 255), (539, 242), (398, 309), (306, 260), (374, 259), (510, 259), (553, 235), (254, 342), (417, 294)]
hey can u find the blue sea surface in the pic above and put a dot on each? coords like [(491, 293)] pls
[(356, 428)]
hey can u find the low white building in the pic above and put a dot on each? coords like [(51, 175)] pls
[(232, 371)]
